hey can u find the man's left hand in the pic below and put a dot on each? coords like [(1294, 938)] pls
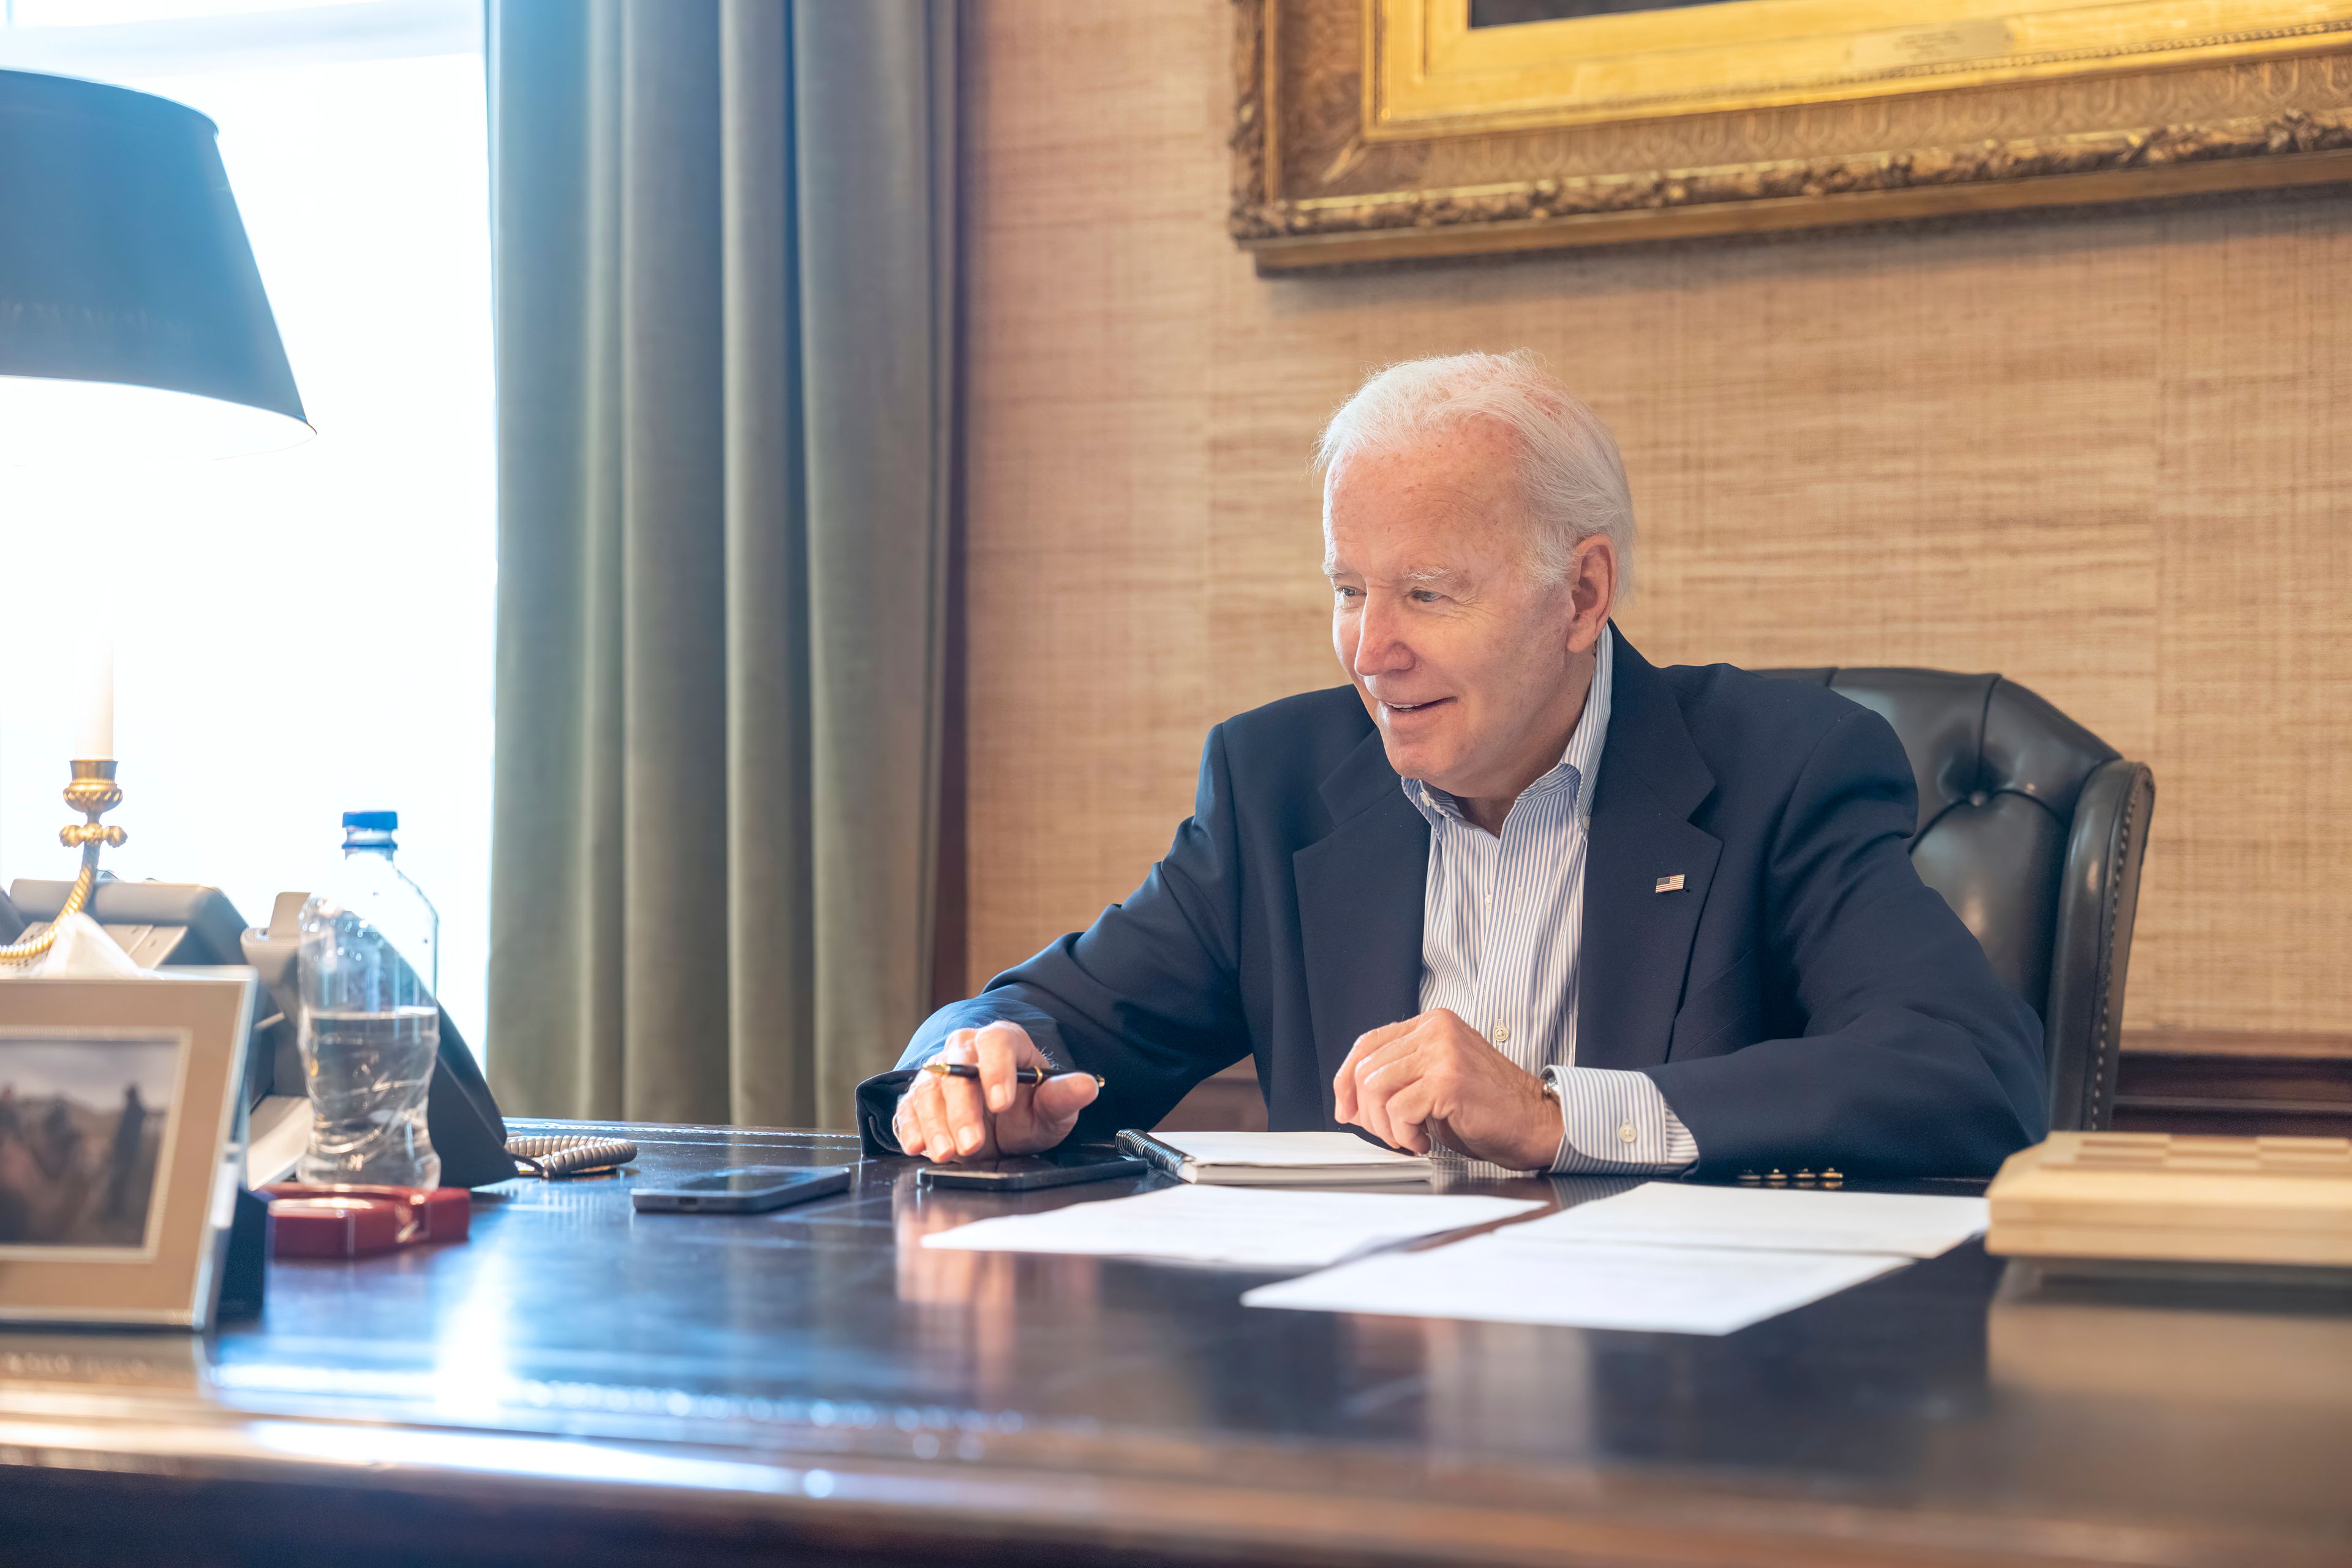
[(1434, 1078)]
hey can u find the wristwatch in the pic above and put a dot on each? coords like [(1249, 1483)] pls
[(1558, 1112)]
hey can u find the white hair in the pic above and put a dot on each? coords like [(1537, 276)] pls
[(1574, 479)]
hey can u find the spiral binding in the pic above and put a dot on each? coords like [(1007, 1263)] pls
[(569, 1155)]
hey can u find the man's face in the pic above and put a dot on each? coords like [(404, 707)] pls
[(1466, 658)]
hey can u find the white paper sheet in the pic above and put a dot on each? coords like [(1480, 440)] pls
[(1790, 1219), (1502, 1279), (1245, 1228), (1283, 1150)]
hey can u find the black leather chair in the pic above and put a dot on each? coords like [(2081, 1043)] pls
[(2034, 829)]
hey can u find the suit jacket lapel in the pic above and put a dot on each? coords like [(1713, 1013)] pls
[(1360, 900), (1636, 954)]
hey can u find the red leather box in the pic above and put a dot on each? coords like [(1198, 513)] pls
[(359, 1221)]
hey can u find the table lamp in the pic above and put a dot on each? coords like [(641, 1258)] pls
[(132, 327)]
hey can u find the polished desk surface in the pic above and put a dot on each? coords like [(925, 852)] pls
[(814, 1385)]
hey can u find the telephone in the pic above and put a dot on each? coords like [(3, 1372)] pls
[(160, 923)]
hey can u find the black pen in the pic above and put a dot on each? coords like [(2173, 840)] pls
[(1020, 1075)]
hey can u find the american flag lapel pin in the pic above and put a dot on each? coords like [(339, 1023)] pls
[(1673, 884)]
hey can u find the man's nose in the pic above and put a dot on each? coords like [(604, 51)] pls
[(1380, 647)]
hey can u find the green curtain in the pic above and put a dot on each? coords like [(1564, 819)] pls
[(724, 238)]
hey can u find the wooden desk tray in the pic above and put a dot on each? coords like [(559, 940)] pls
[(2161, 1197)]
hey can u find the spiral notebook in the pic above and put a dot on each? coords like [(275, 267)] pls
[(1274, 1159)]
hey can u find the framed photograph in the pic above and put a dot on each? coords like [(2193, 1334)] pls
[(120, 1151), (1377, 130)]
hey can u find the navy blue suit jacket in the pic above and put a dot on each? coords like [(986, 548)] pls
[(1803, 1001)]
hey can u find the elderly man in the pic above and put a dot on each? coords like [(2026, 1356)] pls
[(1514, 893)]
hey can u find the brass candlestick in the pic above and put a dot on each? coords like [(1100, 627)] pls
[(93, 793)]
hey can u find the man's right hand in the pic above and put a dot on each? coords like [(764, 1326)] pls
[(952, 1119)]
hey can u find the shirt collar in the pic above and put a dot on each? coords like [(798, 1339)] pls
[(1578, 763)]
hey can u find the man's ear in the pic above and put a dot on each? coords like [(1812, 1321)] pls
[(1591, 589)]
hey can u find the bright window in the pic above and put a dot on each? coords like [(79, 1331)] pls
[(306, 631)]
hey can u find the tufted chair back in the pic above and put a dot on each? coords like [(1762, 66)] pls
[(2033, 829)]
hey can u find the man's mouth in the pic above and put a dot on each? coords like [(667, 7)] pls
[(1412, 707)]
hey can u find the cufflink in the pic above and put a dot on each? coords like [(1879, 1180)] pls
[(1673, 884)]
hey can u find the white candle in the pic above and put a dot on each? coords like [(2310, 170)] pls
[(96, 739)]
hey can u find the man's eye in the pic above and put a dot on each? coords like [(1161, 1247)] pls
[(1346, 592), (1425, 596)]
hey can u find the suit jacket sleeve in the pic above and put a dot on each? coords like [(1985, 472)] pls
[(1916, 1060), (1148, 996)]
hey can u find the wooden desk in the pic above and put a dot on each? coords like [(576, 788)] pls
[(579, 1384)]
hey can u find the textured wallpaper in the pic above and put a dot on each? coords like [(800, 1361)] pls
[(2108, 455)]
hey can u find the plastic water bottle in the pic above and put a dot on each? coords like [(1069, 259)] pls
[(370, 1026)]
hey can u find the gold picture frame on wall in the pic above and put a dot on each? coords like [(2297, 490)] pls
[(1383, 130)]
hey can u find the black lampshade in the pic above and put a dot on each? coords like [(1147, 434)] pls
[(132, 315)]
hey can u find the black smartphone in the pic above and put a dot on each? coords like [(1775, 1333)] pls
[(747, 1189), (1019, 1172)]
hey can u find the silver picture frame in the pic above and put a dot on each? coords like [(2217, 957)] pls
[(121, 1146)]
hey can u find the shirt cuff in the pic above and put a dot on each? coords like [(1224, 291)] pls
[(1616, 1123)]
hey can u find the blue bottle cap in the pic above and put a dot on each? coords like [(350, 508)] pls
[(373, 821)]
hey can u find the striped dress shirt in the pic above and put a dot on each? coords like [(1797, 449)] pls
[(1502, 920)]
